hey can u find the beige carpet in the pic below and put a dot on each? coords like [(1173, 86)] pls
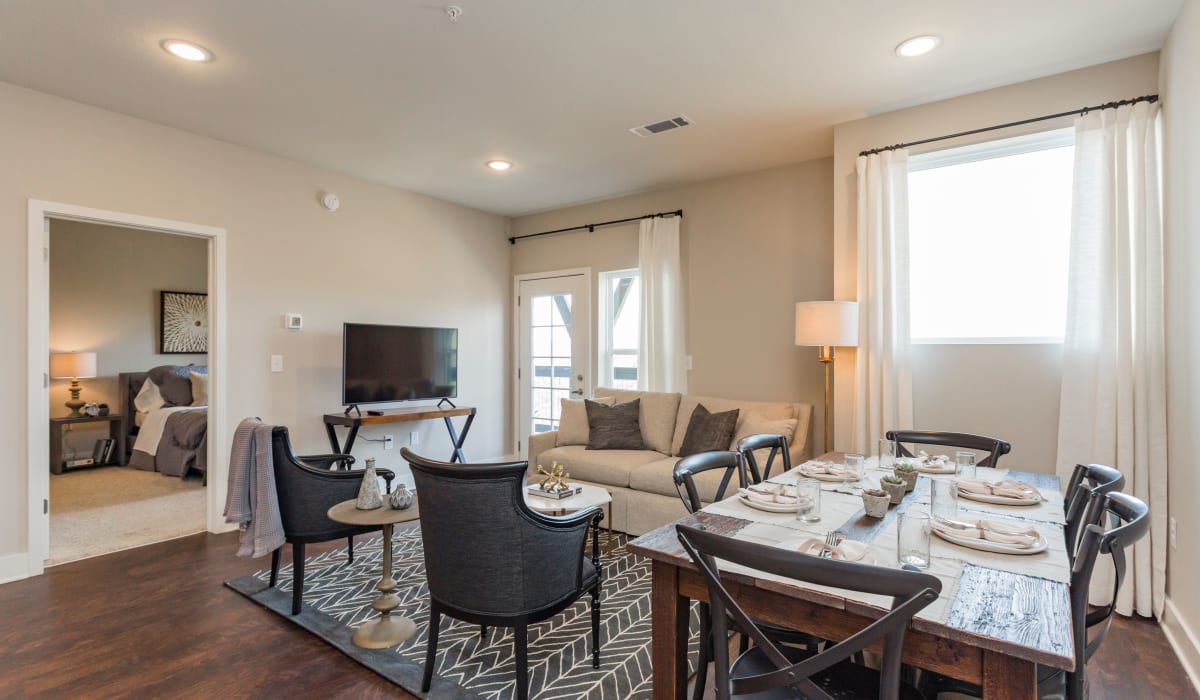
[(98, 511)]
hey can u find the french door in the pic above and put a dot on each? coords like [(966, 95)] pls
[(554, 340)]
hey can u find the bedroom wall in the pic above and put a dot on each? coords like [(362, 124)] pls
[(1019, 383), (752, 246), (386, 256), (104, 298)]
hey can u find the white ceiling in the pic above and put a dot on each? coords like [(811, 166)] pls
[(391, 91)]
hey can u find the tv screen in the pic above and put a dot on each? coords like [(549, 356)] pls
[(398, 363)]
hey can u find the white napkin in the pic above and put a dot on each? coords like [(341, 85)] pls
[(778, 494), (846, 550), (1006, 488), (991, 530), (830, 468)]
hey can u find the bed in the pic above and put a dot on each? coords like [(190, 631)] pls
[(171, 439)]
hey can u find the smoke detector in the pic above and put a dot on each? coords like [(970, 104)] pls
[(659, 127)]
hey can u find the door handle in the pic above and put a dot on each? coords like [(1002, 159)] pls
[(578, 392)]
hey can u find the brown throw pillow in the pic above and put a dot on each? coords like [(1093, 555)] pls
[(614, 427), (708, 432)]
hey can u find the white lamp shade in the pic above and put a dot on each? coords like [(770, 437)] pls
[(73, 365), (833, 323)]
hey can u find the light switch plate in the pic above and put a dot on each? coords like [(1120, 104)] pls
[(687, 360), (276, 363)]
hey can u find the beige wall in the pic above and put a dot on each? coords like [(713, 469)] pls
[(387, 256), (1181, 144), (1023, 400), (752, 246), (104, 298)]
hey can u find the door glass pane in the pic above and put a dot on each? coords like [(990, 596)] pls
[(550, 338)]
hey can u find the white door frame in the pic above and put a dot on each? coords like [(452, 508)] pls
[(516, 327), (38, 440)]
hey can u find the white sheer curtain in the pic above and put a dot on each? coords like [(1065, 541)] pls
[(661, 361), (883, 374), (1113, 404)]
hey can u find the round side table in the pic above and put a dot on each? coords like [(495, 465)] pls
[(388, 630), (590, 496)]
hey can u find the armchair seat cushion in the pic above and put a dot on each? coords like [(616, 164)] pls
[(609, 467)]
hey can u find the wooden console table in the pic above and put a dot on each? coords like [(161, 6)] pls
[(401, 415)]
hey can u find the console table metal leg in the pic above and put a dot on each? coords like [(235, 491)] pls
[(335, 448), (459, 440)]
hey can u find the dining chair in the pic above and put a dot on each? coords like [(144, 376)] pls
[(491, 560), (768, 670), (1085, 498), (994, 447), (778, 444), (685, 473), (307, 487)]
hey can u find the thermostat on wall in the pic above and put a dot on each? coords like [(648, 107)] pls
[(330, 201), (293, 322)]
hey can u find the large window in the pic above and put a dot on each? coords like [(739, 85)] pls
[(989, 229), (620, 328)]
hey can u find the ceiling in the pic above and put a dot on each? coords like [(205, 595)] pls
[(392, 91)]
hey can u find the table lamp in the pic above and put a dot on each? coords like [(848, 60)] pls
[(826, 325), (73, 366)]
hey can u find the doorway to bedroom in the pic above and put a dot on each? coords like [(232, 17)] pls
[(127, 331)]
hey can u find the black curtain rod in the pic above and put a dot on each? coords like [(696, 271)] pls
[(592, 227), (1080, 112)]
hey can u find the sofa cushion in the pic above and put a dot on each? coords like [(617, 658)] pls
[(688, 403), (614, 427), (573, 421), (658, 415), (609, 467), (657, 477), (708, 432)]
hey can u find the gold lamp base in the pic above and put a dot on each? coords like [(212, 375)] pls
[(75, 404), (825, 357)]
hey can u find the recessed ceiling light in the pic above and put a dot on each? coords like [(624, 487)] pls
[(918, 46), (187, 50), (499, 164)]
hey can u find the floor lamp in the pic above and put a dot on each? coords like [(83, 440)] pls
[(826, 325)]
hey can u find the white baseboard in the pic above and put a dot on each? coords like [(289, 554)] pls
[(14, 567), (1184, 641)]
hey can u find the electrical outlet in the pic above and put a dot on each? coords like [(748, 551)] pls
[(276, 363), (414, 439), (388, 442), (687, 361), (1172, 535)]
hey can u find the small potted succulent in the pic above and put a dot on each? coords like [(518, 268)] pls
[(894, 486), (906, 471), (875, 502)]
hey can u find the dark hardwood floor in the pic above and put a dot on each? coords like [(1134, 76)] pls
[(156, 622)]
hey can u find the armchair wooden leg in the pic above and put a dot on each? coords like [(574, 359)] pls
[(435, 621), (521, 632), (596, 625), (350, 549), (483, 631), (275, 556), (706, 654), (297, 576)]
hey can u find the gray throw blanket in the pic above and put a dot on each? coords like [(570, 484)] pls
[(252, 501)]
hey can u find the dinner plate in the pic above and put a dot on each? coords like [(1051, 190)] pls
[(850, 548), (1000, 500), (833, 478), (989, 546), (768, 507), (949, 469)]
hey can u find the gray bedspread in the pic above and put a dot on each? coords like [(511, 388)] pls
[(183, 447)]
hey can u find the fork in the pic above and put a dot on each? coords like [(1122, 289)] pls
[(831, 539)]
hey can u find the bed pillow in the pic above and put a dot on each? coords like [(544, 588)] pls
[(708, 432), (174, 384), (148, 398), (573, 425), (199, 388), (614, 427)]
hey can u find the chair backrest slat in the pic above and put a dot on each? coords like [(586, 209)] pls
[(1085, 503), (994, 447), (778, 444), (687, 469)]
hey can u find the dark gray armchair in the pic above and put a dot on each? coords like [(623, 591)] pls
[(307, 489), (492, 561)]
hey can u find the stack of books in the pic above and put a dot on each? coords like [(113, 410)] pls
[(536, 490), (102, 453)]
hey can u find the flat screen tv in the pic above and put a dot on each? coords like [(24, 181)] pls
[(398, 363)]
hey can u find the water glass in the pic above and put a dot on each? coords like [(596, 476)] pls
[(887, 453), (964, 464), (912, 539), (808, 500), (856, 463), (944, 498)]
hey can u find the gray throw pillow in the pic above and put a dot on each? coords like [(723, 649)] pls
[(614, 427), (174, 383), (708, 432)]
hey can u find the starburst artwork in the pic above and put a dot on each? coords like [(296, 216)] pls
[(184, 323)]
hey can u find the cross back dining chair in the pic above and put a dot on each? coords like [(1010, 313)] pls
[(994, 447), (768, 670), (1085, 499), (491, 560), (778, 444)]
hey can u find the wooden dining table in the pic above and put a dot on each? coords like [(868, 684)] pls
[(995, 628)]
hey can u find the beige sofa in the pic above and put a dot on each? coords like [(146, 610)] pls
[(640, 481)]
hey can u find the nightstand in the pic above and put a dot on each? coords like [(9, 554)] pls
[(56, 440)]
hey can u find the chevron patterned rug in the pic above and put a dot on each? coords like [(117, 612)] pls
[(337, 598)]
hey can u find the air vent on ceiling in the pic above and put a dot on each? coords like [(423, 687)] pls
[(660, 127)]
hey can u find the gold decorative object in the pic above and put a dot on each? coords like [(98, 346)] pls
[(556, 478)]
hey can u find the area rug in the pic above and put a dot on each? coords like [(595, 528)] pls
[(338, 595)]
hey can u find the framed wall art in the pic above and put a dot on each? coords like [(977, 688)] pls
[(184, 319)]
